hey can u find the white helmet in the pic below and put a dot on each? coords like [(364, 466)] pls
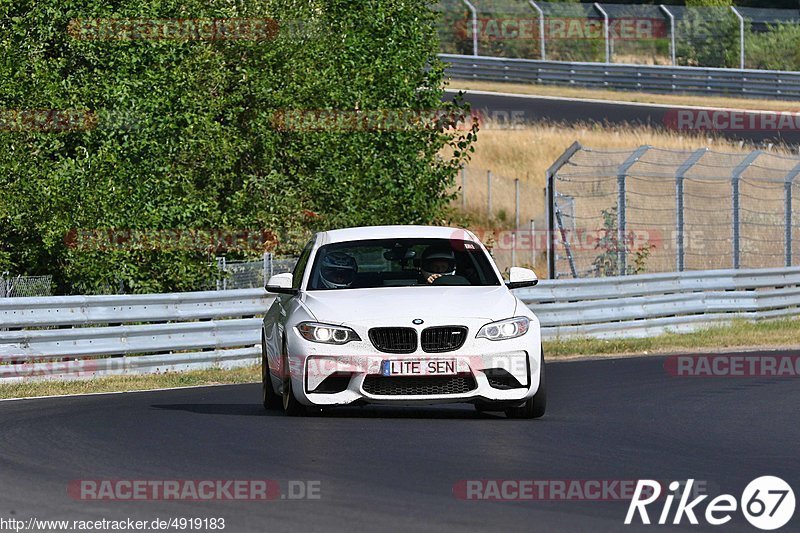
[(337, 270), (438, 260)]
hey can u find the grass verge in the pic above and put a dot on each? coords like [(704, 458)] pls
[(731, 102), (739, 334), (212, 376)]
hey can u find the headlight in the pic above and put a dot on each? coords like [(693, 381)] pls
[(505, 329), (327, 333)]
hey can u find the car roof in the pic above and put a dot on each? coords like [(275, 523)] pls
[(394, 232)]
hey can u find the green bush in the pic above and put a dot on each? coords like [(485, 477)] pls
[(776, 49), (185, 136)]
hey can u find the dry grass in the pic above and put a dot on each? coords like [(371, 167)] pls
[(526, 154), (602, 94)]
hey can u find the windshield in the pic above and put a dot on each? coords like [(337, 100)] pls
[(401, 263)]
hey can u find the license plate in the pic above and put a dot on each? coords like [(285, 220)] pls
[(415, 367)]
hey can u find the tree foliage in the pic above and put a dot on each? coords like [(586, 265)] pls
[(185, 135)]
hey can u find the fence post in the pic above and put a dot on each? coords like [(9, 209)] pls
[(679, 207), (671, 32), (735, 176), (602, 11), (489, 193), (516, 204), (265, 273), (550, 199), (4, 292), (741, 36), (788, 183), (532, 241), (464, 187), (514, 248), (474, 26), (541, 27), (622, 225)]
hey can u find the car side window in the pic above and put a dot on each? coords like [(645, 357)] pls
[(300, 267)]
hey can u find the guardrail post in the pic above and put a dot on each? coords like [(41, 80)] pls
[(787, 184), (741, 36), (671, 32), (602, 11), (550, 194), (735, 176), (474, 26), (622, 236), (541, 27), (679, 211)]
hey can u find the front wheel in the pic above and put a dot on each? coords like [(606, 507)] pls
[(536, 406), (290, 404), (268, 396)]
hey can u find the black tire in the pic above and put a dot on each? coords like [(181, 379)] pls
[(290, 404), (537, 405), (268, 397)]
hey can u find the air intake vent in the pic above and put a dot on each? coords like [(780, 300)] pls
[(394, 340), (443, 338), (418, 385)]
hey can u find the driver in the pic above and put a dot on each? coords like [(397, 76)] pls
[(338, 270), (437, 261)]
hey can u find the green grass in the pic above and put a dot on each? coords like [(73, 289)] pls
[(213, 376), (739, 334)]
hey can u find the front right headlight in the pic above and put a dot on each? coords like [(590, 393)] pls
[(327, 333), (505, 329)]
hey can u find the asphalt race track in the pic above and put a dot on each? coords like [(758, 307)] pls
[(503, 106), (395, 468)]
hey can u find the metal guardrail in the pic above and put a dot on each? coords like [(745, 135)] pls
[(185, 331), (651, 78), (65, 337)]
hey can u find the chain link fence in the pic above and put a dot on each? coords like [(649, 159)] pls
[(657, 210), (21, 286), (761, 38), (251, 274), (505, 215)]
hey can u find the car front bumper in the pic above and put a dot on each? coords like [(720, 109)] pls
[(487, 371)]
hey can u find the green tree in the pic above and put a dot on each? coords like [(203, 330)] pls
[(186, 138)]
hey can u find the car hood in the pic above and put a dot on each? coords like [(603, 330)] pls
[(356, 306)]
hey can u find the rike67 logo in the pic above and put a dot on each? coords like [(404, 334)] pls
[(767, 503)]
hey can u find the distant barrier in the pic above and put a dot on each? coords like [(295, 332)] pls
[(648, 78)]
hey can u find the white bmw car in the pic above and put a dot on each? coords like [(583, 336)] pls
[(401, 315)]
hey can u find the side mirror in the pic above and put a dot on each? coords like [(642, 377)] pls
[(521, 277), (281, 284)]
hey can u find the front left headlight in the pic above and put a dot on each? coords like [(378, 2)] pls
[(505, 329), (327, 333)]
